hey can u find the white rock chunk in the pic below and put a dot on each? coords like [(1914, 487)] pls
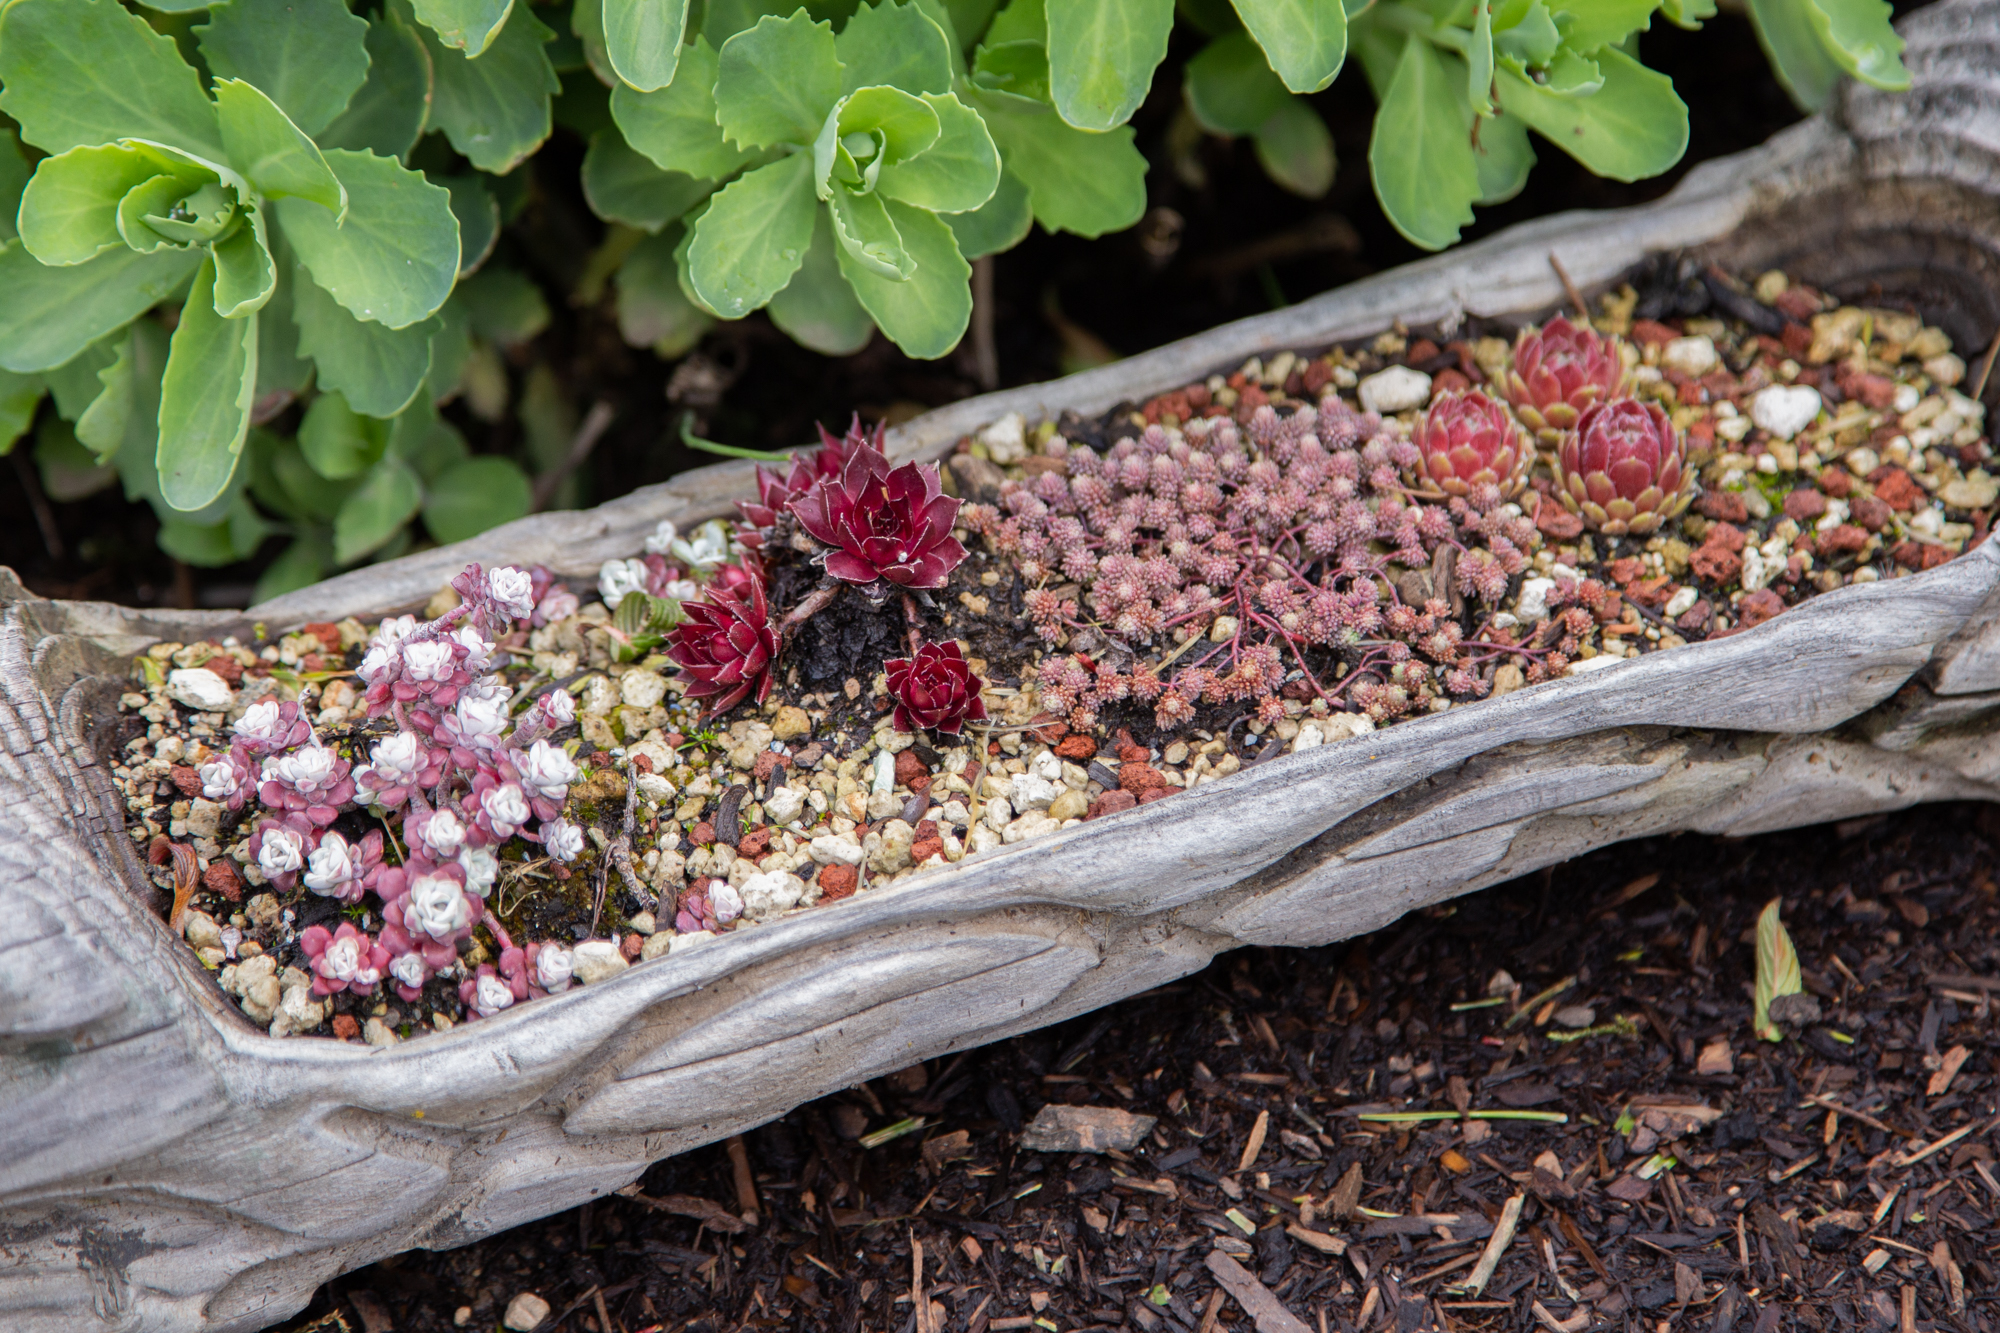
[(1032, 791), (597, 960), (785, 805), (1690, 356), (1397, 389), (200, 689), (1680, 603), (1006, 440), (1785, 410), (524, 1312), (1534, 604), (771, 894)]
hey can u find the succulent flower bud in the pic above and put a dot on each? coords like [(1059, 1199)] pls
[(1623, 468), (1559, 370)]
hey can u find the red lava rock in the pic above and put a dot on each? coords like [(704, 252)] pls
[(187, 779), (1895, 487), (346, 1027), (1420, 351), (1796, 340), (1653, 592), (1758, 607), (1651, 331), (971, 774), (225, 666), (630, 946), (702, 834), (1726, 536), (755, 843), (768, 762), (1175, 404), (1082, 749), (1138, 778), (1248, 399), (1803, 504), (326, 633), (927, 843), (220, 877), (1159, 793), (1625, 570), (1871, 513), (1130, 752), (837, 882), (1875, 391), (1799, 303), (1920, 555), (1554, 521), (909, 768), (1723, 507), (311, 662), (1843, 539), (1694, 618), (643, 762), (1716, 564), (1836, 481), (1110, 804), (1316, 376), (1450, 380)]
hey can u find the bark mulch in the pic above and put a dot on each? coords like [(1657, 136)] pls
[(1703, 1180)]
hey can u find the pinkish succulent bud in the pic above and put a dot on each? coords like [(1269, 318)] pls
[(1559, 370), (339, 869), (551, 967), (345, 959), (311, 778), (935, 688), (561, 839), (398, 766), (1467, 440), (269, 726), (497, 809), (490, 989), (545, 772), (280, 848), (1623, 468), (430, 915), (228, 779)]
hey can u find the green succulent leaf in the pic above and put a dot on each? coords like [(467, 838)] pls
[(280, 368), (69, 212), (187, 216), (1230, 86), (1687, 13), (387, 114), (956, 174), (394, 258), (676, 127), (102, 426), (866, 131), (777, 81), (1306, 40), (20, 396), (495, 109), (1001, 223), (1811, 43), (896, 45), (1102, 54), (817, 308), (478, 217), (299, 565), (753, 237), (338, 441), (503, 306), (51, 314), (1295, 148), (14, 175), (309, 56), (205, 397), (376, 368), (237, 537), (1020, 68), (245, 277), (1018, 21), (1589, 24), (868, 238), (1504, 157), (1479, 61), (643, 38), (467, 26), (624, 186), (427, 442), (79, 381), (69, 472), (586, 24), (88, 72), (1570, 75), (388, 497), (925, 314), (1633, 127), (273, 154), (477, 494), (1525, 30), (1078, 182), (1420, 154), (654, 312)]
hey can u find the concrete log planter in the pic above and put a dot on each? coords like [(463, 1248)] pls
[(165, 1166)]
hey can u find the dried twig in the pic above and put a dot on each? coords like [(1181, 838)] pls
[(1496, 1244), (1575, 296), (1986, 366)]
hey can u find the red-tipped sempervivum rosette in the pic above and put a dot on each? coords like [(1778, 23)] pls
[(775, 493), (1624, 468), (1558, 371), (1467, 441), (886, 524), (725, 647), (934, 688)]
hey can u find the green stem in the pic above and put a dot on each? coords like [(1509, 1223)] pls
[(694, 441), (1419, 1117)]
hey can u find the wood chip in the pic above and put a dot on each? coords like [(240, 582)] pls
[(707, 1212), (1256, 1299), (1085, 1129), (1954, 1060), (1317, 1240), (1496, 1244), (1255, 1143)]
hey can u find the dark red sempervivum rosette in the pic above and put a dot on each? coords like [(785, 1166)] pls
[(934, 688), (1623, 468), (1558, 371), (884, 524), (775, 493), (725, 647), (1467, 441)]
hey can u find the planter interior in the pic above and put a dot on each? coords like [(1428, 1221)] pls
[(169, 1167)]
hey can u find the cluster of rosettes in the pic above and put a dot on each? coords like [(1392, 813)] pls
[(466, 774), (1283, 536), (872, 526)]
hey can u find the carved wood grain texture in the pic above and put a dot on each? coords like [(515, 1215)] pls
[(168, 1167)]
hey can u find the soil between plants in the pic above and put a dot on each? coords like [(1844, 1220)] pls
[(1852, 1119)]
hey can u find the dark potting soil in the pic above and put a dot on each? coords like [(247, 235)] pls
[(1842, 1179), (1220, 242)]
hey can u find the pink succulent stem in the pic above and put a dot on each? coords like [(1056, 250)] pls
[(492, 923)]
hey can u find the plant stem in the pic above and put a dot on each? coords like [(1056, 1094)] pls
[(815, 602)]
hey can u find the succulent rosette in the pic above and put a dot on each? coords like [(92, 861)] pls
[(430, 915), (1466, 441), (775, 493), (885, 524), (398, 766), (339, 869), (344, 959), (281, 847), (490, 989), (934, 688), (312, 779), (544, 772), (269, 726), (1623, 468), (725, 647), (551, 967), (1559, 370)]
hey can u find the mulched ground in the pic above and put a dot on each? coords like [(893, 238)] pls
[(1841, 1180)]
